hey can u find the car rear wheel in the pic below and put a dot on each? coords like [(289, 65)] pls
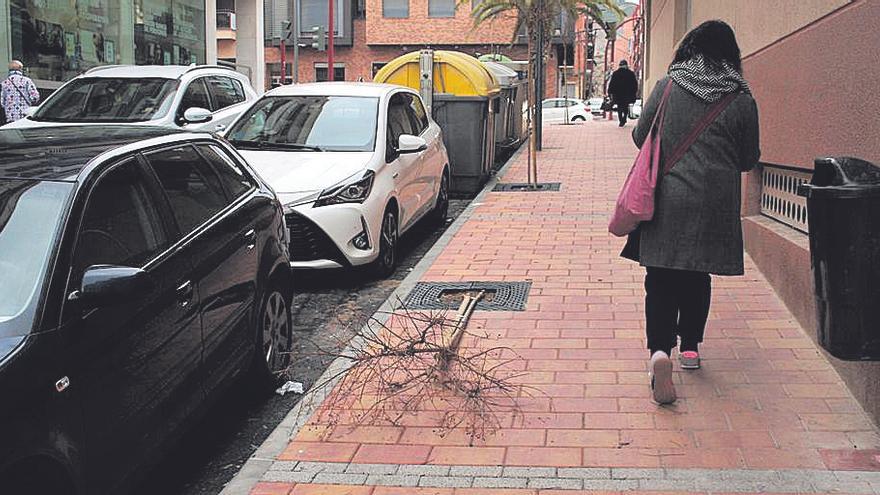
[(385, 264), (275, 338), (578, 118), (441, 209)]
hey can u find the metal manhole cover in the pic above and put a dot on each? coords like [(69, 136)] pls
[(523, 187), (503, 296)]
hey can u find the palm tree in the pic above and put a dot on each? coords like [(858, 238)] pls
[(533, 14)]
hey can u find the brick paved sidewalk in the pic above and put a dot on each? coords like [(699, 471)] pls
[(767, 413)]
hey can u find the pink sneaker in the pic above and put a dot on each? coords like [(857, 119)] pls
[(689, 360), (661, 378)]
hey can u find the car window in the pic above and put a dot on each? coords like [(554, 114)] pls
[(232, 177), (196, 96), (121, 224), (417, 114), (30, 215), (308, 122), (193, 190), (226, 90), (399, 121), (105, 99)]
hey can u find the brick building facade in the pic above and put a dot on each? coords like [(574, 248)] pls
[(377, 39)]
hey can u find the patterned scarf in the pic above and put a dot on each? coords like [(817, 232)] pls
[(707, 83)]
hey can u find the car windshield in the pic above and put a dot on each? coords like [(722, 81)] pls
[(106, 99), (309, 123), (30, 215)]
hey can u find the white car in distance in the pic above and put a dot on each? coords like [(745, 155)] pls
[(354, 164), (555, 110), (194, 97)]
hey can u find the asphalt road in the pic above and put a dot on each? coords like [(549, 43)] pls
[(326, 310)]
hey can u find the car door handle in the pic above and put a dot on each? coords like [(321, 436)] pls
[(184, 293), (251, 238)]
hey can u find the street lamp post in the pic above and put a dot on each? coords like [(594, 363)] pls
[(331, 30)]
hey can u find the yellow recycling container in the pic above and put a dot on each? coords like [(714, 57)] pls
[(465, 101), (455, 73)]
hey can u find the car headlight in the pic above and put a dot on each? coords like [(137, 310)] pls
[(352, 190)]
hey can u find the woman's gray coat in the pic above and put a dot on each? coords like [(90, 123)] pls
[(696, 224)]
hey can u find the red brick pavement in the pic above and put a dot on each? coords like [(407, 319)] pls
[(765, 398)]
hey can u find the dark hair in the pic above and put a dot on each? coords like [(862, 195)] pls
[(715, 41)]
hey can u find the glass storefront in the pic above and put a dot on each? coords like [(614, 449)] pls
[(59, 39)]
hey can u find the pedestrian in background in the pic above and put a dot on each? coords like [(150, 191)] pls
[(623, 88), (17, 93), (696, 228)]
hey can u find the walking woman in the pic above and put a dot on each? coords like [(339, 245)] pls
[(696, 229)]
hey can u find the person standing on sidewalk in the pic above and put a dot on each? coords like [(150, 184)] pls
[(623, 88), (696, 229), (17, 93)]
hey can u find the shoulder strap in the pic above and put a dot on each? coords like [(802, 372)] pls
[(698, 129), (661, 108), (12, 83)]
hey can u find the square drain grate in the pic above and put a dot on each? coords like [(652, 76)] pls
[(500, 296), (523, 187)]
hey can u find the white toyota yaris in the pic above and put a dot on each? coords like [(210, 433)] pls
[(355, 164)]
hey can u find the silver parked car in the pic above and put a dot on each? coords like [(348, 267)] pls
[(195, 97)]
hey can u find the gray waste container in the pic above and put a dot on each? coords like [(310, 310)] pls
[(468, 124)]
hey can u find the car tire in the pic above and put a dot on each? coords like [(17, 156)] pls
[(274, 342), (441, 208), (386, 263), (578, 118)]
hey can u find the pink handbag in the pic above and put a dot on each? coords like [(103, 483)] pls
[(635, 203)]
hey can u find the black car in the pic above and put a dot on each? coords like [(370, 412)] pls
[(141, 270)]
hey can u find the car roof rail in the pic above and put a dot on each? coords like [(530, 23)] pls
[(193, 67), (101, 67)]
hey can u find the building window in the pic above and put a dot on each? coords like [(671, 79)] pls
[(314, 13), (321, 73), (441, 8), (395, 9), (377, 66)]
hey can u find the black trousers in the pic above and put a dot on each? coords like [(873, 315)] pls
[(676, 305), (622, 113)]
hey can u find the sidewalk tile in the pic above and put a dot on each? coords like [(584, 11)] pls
[(319, 489), (392, 454), (477, 456), (318, 451), (543, 456), (270, 488)]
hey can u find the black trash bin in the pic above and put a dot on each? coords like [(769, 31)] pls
[(843, 207)]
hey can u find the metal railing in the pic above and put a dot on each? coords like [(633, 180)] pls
[(779, 199), (226, 19)]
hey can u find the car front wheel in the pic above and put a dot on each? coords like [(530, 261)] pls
[(385, 264)]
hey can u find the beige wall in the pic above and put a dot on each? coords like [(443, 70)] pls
[(758, 24)]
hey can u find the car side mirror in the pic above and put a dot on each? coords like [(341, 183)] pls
[(105, 285), (408, 143), (197, 115)]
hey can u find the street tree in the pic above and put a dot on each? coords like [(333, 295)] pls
[(532, 16)]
